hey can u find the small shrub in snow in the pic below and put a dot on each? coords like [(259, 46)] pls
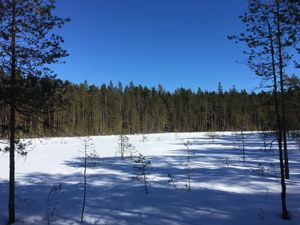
[(124, 146), (187, 144), (296, 136), (96, 221), (226, 161), (171, 180), (260, 169), (24, 204), (88, 148), (132, 151), (212, 136), (52, 201), (241, 143), (268, 138), (141, 167), (263, 169), (144, 138)]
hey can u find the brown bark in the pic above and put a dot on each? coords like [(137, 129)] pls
[(283, 119), (12, 125), (285, 214)]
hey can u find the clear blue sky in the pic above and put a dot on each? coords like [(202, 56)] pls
[(177, 43)]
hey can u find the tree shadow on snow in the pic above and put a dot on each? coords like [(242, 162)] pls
[(226, 193)]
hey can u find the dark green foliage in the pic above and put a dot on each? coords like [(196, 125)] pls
[(38, 100), (92, 110), (137, 109)]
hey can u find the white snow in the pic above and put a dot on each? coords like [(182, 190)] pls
[(224, 190)]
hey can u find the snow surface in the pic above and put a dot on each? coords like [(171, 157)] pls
[(224, 190)]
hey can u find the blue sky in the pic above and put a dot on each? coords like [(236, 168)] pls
[(176, 43)]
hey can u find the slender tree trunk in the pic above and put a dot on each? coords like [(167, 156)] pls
[(145, 183), (12, 125), (243, 145), (84, 182), (283, 119), (105, 115), (285, 214), (121, 147)]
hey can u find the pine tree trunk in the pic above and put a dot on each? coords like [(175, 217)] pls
[(243, 145), (285, 214), (84, 183), (12, 125), (11, 204), (283, 119)]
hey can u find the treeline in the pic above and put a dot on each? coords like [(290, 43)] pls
[(83, 109)]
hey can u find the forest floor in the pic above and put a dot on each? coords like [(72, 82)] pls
[(208, 184)]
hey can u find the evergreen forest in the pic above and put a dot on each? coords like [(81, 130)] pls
[(83, 109)]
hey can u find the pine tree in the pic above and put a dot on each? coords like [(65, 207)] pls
[(27, 45), (287, 35), (263, 37)]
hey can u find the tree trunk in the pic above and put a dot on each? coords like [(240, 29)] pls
[(285, 149), (12, 125), (84, 180), (285, 214)]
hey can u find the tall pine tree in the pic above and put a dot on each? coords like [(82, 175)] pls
[(27, 47)]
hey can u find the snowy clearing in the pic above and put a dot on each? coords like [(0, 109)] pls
[(224, 190)]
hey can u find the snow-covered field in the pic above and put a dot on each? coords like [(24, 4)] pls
[(224, 189)]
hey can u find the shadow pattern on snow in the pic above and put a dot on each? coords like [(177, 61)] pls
[(220, 193)]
